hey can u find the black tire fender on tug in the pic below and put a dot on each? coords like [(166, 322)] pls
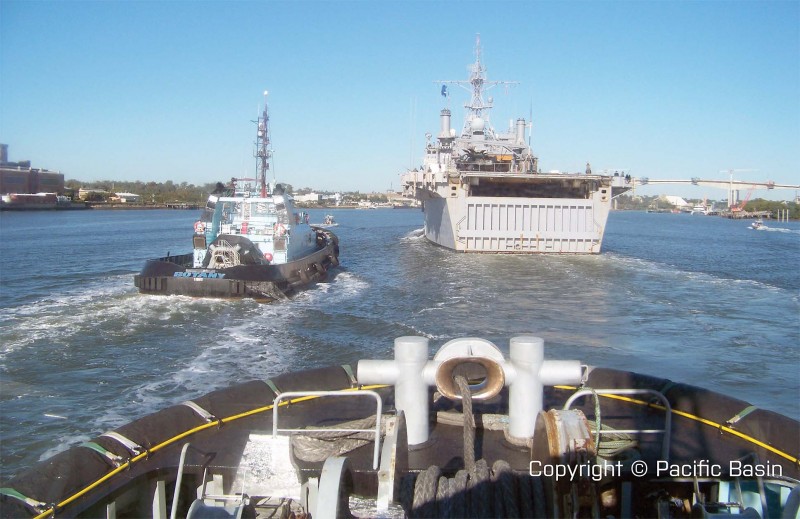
[(161, 435), (724, 427)]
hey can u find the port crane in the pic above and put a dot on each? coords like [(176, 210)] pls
[(735, 208)]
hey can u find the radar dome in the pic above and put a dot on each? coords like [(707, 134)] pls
[(477, 125)]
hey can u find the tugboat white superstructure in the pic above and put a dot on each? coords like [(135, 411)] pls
[(249, 242), (482, 191)]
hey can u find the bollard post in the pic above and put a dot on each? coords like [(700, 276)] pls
[(530, 373), (405, 372), (525, 391)]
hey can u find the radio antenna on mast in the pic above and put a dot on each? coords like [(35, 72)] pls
[(263, 149)]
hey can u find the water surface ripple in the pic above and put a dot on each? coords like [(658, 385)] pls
[(701, 300)]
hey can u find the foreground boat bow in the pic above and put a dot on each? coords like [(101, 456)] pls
[(470, 433)]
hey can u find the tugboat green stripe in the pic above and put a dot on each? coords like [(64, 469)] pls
[(10, 492), (103, 452)]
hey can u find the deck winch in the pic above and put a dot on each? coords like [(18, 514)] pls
[(504, 457), (525, 373)]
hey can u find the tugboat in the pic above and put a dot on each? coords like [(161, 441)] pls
[(472, 432), (250, 241), (329, 221)]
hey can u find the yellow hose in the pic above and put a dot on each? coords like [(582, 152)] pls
[(700, 419), (181, 436), (252, 412)]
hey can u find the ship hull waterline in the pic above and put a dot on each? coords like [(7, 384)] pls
[(509, 225)]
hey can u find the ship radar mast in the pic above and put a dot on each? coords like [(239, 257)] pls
[(477, 108), (263, 149)]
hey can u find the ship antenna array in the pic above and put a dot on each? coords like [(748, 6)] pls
[(530, 124), (477, 85), (263, 152)]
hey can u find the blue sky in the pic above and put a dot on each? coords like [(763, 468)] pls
[(166, 90)]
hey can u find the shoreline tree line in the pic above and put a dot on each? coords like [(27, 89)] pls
[(160, 193)]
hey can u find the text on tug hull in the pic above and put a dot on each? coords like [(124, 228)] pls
[(176, 275)]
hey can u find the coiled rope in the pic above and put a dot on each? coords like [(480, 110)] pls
[(613, 444), (476, 490), (318, 445)]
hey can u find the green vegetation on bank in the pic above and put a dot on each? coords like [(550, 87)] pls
[(160, 193), (642, 203), (150, 192), (759, 204)]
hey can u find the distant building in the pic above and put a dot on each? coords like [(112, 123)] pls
[(20, 177), (308, 199), (126, 198), (335, 198), (676, 201)]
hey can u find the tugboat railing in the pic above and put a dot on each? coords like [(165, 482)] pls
[(667, 418), (345, 393)]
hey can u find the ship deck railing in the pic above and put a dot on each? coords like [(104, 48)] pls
[(665, 445)]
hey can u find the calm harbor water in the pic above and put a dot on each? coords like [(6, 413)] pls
[(696, 299)]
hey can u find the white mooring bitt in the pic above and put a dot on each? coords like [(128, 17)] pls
[(525, 373), (405, 372)]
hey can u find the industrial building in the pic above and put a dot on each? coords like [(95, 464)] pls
[(20, 177)]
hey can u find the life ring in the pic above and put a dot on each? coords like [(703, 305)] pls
[(199, 227), (268, 257), (280, 229)]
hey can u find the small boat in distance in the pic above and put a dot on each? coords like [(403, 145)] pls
[(758, 225), (249, 242), (329, 221)]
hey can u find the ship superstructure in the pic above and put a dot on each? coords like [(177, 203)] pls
[(483, 191)]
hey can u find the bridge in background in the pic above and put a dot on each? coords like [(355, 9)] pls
[(732, 186)]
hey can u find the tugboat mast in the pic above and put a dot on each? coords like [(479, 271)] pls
[(263, 150)]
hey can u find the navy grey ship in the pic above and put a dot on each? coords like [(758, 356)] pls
[(483, 191)]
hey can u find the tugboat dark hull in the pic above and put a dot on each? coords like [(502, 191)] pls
[(175, 275), (100, 475)]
